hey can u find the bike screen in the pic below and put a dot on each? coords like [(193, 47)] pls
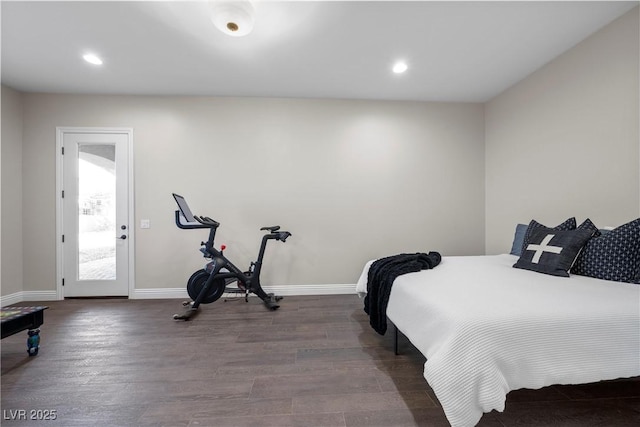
[(184, 208)]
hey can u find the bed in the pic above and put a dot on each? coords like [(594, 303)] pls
[(486, 328)]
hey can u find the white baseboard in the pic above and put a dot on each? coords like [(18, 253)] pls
[(160, 293), (284, 290), (333, 289), (18, 297), (181, 293)]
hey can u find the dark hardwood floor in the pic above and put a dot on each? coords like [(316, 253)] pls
[(314, 362)]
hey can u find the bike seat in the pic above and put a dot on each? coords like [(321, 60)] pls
[(271, 229)]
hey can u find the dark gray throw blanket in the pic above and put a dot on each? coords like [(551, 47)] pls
[(381, 275)]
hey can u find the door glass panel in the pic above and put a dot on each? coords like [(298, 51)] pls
[(96, 212)]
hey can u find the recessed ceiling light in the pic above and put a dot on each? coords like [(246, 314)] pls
[(400, 67), (92, 59)]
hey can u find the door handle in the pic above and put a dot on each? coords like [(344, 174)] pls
[(123, 237)]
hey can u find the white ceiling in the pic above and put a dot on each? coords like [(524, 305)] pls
[(456, 51)]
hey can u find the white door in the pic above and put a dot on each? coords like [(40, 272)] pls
[(95, 213)]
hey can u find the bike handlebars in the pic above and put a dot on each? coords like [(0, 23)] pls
[(205, 220)]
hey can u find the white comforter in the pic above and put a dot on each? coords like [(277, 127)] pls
[(487, 328)]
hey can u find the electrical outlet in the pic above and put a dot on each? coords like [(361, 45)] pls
[(145, 223)]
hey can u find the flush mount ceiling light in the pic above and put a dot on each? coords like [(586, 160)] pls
[(233, 17), (400, 67), (92, 59)]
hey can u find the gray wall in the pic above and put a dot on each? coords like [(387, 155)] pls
[(564, 141), (11, 155), (352, 180)]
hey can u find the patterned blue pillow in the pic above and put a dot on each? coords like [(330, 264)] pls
[(589, 225), (569, 224), (612, 256)]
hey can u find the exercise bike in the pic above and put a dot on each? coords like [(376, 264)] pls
[(217, 277)]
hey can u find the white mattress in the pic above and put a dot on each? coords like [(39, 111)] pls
[(487, 328)]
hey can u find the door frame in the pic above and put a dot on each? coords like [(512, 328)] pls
[(60, 132)]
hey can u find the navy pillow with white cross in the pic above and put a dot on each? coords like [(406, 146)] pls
[(552, 251)]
